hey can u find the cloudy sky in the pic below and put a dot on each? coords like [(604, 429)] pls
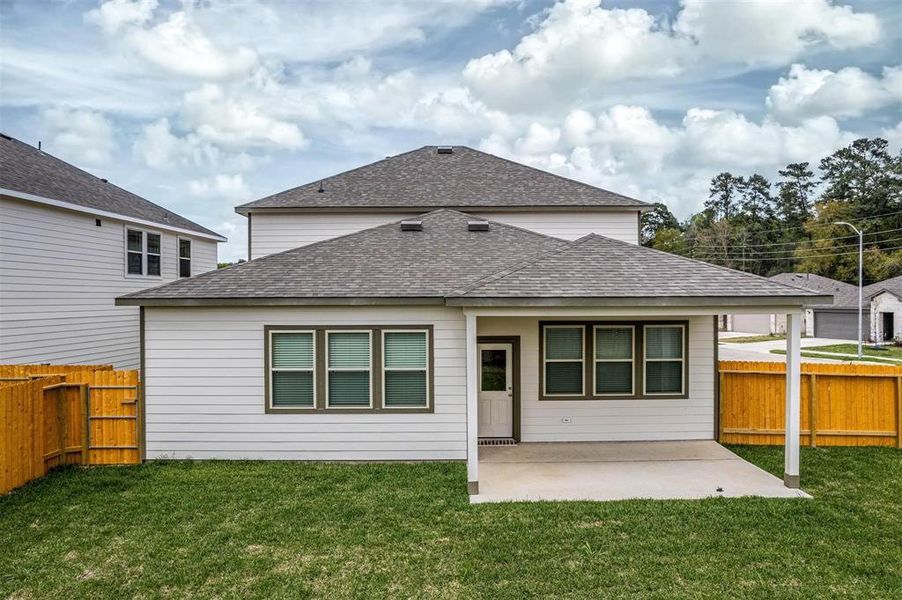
[(202, 105)]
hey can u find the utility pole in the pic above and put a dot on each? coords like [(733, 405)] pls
[(860, 275)]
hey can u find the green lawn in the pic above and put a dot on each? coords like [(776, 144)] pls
[(251, 529), (751, 339), (886, 351), (865, 358)]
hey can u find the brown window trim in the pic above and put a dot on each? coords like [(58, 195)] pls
[(376, 370), (589, 362)]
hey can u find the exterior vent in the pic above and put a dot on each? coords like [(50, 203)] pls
[(445, 150), (411, 226), (478, 225)]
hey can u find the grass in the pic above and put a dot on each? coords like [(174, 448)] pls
[(865, 358), (751, 339), (300, 530), (886, 351)]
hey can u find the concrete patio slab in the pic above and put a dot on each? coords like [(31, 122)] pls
[(620, 471)]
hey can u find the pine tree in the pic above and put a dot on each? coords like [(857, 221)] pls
[(722, 195), (796, 189)]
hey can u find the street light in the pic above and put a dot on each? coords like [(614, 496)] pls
[(860, 278)]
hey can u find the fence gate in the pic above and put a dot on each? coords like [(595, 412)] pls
[(113, 420)]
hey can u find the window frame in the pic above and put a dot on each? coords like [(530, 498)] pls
[(638, 359), (684, 359), (428, 368), (544, 361), (144, 252), (179, 258), (369, 369), (269, 370), (631, 361)]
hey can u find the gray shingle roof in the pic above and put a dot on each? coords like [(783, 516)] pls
[(892, 285), (445, 261), (24, 168), (600, 267), (844, 294), (379, 262), (424, 179)]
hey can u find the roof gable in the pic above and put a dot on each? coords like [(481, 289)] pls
[(27, 170), (424, 179), (844, 294)]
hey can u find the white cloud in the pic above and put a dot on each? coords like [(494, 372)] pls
[(773, 32), (220, 186), (579, 42), (581, 45), (83, 136), (849, 92), (626, 149), (177, 44), (237, 121), (114, 15)]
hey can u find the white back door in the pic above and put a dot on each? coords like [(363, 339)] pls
[(496, 392)]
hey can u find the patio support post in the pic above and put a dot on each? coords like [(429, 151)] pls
[(793, 398), (472, 408)]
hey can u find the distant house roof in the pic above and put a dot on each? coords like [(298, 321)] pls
[(845, 295), (434, 177), (447, 262), (892, 285), (26, 170)]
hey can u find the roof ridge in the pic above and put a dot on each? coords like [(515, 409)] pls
[(510, 270)]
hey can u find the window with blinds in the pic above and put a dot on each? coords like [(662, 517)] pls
[(348, 369), (292, 369), (405, 369), (665, 361), (614, 360), (563, 360)]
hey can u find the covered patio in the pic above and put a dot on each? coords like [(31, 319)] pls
[(620, 471)]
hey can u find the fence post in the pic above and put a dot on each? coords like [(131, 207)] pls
[(85, 424), (898, 412), (722, 382), (812, 411)]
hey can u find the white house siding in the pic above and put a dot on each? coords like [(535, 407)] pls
[(885, 302), (205, 389), (59, 276), (612, 420), (277, 232)]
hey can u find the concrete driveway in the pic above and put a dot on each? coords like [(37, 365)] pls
[(620, 471)]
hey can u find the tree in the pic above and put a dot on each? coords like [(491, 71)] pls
[(793, 204), (655, 220), (722, 195), (757, 203), (865, 177)]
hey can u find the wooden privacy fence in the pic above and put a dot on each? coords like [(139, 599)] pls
[(841, 405), (71, 416)]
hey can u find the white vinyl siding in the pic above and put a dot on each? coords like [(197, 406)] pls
[(606, 419), (60, 275), (205, 389), (277, 232)]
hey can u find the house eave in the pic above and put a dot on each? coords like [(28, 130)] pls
[(661, 301), (108, 214), (245, 210), (324, 301)]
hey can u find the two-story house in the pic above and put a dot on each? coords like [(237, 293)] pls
[(420, 306), (70, 243)]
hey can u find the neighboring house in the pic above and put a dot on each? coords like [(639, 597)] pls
[(884, 299), (69, 244), (838, 320), (431, 177), (417, 338)]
